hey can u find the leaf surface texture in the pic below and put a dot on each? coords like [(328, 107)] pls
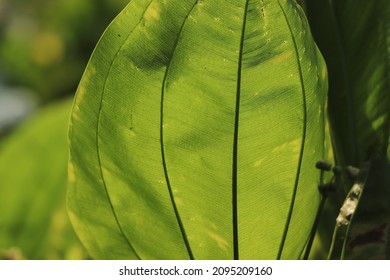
[(195, 133)]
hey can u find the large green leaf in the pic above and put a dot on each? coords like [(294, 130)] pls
[(195, 133), (33, 160)]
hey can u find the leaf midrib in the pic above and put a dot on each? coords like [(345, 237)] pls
[(236, 253)]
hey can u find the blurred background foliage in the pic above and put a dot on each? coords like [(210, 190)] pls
[(33, 165), (44, 48), (45, 44)]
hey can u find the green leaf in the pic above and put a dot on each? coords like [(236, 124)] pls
[(33, 218), (195, 132)]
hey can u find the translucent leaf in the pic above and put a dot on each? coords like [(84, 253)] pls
[(195, 133)]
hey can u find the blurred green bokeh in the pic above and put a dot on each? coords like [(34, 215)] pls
[(44, 48), (33, 176), (45, 44)]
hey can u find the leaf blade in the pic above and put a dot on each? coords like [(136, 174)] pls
[(168, 135)]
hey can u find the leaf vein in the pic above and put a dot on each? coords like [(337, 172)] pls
[(235, 140), (98, 142), (171, 195), (290, 211)]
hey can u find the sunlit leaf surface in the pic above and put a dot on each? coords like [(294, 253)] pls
[(195, 133)]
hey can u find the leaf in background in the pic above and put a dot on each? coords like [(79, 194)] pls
[(369, 238), (195, 133), (33, 218), (55, 44), (354, 37)]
